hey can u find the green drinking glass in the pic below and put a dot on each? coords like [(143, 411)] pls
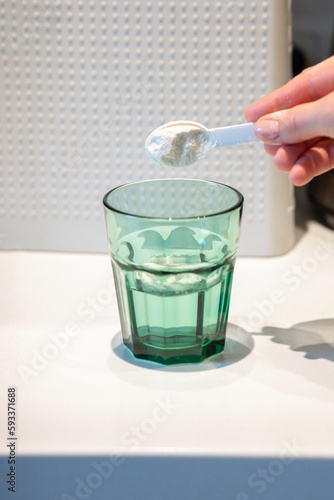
[(173, 245)]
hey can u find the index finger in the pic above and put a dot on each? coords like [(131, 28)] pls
[(313, 83)]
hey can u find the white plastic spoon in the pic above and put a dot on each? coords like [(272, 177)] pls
[(182, 143)]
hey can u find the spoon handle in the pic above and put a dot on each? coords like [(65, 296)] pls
[(235, 134)]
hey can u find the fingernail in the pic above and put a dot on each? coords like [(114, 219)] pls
[(267, 130)]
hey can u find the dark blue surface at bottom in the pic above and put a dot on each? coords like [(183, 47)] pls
[(168, 478)]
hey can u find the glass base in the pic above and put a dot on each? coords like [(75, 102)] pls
[(175, 346)]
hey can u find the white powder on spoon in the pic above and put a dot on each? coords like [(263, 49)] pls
[(178, 144)]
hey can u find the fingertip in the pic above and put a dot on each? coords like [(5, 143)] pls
[(315, 161), (250, 113), (282, 160), (271, 149), (298, 176)]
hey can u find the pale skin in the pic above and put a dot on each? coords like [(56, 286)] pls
[(296, 123)]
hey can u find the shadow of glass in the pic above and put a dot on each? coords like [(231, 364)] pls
[(314, 338), (216, 370)]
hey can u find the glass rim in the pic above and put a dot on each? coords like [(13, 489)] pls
[(237, 205)]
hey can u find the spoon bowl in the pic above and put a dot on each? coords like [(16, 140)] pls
[(182, 143)]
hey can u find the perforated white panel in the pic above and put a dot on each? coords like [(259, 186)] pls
[(83, 83)]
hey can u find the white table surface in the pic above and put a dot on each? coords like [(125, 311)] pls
[(200, 432)]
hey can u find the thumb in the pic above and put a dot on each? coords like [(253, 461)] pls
[(298, 124)]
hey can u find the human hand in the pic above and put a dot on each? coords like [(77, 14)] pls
[(296, 123)]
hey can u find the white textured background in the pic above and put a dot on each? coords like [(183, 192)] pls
[(83, 83)]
